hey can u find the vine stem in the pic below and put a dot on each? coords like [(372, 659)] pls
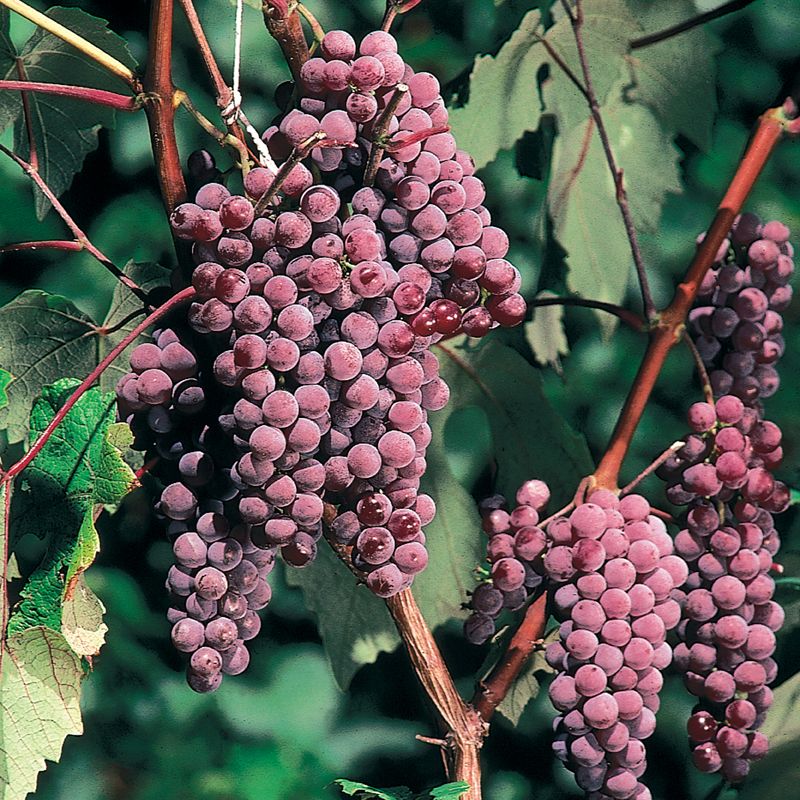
[(687, 25), (176, 300), (628, 317), (576, 20), (702, 372), (161, 101), (120, 102), (526, 638), (669, 328), (380, 133), (652, 467), (464, 726), (94, 52), (285, 27), (80, 236)]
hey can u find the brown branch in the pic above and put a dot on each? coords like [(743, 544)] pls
[(80, 236), (465, 729), (687, 25), (670, 324), (702, 372), (174, 301), (119, 102), (286, 28), (621, 194), (628, 317), (492, 690), (313, 23), (160, 104)]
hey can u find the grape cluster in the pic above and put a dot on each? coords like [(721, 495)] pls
[(515, 551), (615, 570), (727, 635), (736, 324), (318, 297), (219, 580)]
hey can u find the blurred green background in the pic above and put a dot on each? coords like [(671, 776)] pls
[(283, 731)]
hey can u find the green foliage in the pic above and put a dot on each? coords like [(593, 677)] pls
[(355, 627), (64, 130), (55, 495), (449, 791), (45, 337), (39, 702)]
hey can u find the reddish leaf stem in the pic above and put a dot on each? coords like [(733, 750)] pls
[(221, 89), (48, 244), (628, 317), (160, 105), (120, 102), (576, 21), (670, 323), (174, 301), (492, 690), (80, 236)]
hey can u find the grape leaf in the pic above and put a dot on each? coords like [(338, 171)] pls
[(676, 77), (582, 197), (449, 791), (7, 51), (55, 496), (352, 788), (82, 620), (545, 333), (43, 337), (608, 27), (503, 99), (39, 702), (453, 538), (354, 624), (776, 775), (5, 379), (530, 438), (64, 130)]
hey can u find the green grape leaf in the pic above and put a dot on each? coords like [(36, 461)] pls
[(55, 496), (64, 129), (608, 27), (582, 197), (82, 620), (503, 101), (453, 538), (43, 337), (530, 438), (449, 791), (776, 774), (676, 77), (364, 792), (39, 702), (354, 624), (5, 379), (545, 333)]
